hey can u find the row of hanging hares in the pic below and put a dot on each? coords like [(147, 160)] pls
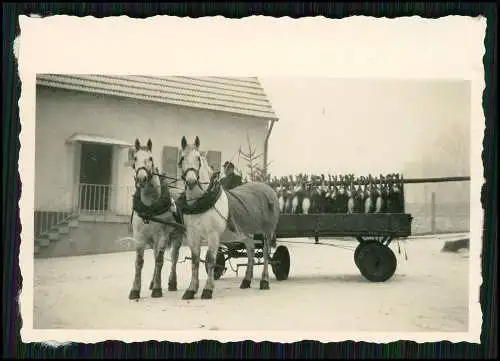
[(305, 194)]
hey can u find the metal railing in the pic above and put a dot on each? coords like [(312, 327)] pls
[(55, 212), (98, 199), (89, 199)]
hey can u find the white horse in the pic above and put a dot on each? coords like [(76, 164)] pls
[(153, 222), (251, 208)]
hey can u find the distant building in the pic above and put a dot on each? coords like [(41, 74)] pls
[(87, 124)]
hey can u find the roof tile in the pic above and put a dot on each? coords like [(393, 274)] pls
[(229, 94)]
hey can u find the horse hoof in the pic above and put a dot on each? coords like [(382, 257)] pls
[(151, 285), (134, 295), (157, 293), (245, 284), (264, 285), (172, 286), (188, 295), (206, 294)]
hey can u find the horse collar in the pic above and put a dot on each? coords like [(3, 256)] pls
[(161, 206), (205, 202)]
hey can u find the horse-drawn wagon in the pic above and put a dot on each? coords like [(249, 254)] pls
[(372, 212), (374, 258), (373, 230)]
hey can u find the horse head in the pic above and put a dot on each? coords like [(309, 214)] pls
[(143, 165), (194, 166)]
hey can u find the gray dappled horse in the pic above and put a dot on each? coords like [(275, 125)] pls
[(154, 221), (209, 210)]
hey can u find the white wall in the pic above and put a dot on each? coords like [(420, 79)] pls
[(60, 113)]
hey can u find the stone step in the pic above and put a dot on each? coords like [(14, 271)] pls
[(43, 241), (54, 236), (64, 229)]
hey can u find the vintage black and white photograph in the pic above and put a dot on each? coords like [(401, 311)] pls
[(261, 202)]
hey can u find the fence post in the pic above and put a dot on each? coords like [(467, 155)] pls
[(433, 212)]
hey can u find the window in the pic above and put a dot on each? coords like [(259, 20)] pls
[(170, 160), (130, 160), (214, 159), (172, 155)]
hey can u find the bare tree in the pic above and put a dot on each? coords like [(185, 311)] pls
[(255, 170)]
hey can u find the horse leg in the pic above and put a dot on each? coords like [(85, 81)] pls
[(264, 281), (213, 246), (159, 259), (135, 292), (250, 246), (172, 280), (155, 251), (195, 267)]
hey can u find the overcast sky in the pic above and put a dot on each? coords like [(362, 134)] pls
[(369, 126)]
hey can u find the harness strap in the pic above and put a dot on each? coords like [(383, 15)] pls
[(163, 205), (205, 202)]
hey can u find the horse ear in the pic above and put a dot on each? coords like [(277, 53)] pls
[(150, 144), (197, 142), (184, 142), (137, 144)]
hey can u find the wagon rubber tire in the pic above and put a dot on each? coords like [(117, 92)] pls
[(220, 265), (281, 263), (358, 248), (377, 262)]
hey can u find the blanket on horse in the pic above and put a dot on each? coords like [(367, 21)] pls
[(253, 208)]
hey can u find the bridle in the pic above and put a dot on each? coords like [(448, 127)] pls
[(149, 176), (149, 173), (191, 169), (196, 172)]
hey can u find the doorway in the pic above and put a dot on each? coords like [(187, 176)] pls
[(95, 176)]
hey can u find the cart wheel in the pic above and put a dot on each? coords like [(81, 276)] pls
[(377, 262), (220, 265), (358, 248), (281, 263)]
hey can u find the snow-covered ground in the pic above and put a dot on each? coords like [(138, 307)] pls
[(324, 292)]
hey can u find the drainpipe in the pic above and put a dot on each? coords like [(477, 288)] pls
[(266, 145)]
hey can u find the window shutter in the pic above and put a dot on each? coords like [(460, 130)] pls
[(130, 158), (214, 159), (170, 158)]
